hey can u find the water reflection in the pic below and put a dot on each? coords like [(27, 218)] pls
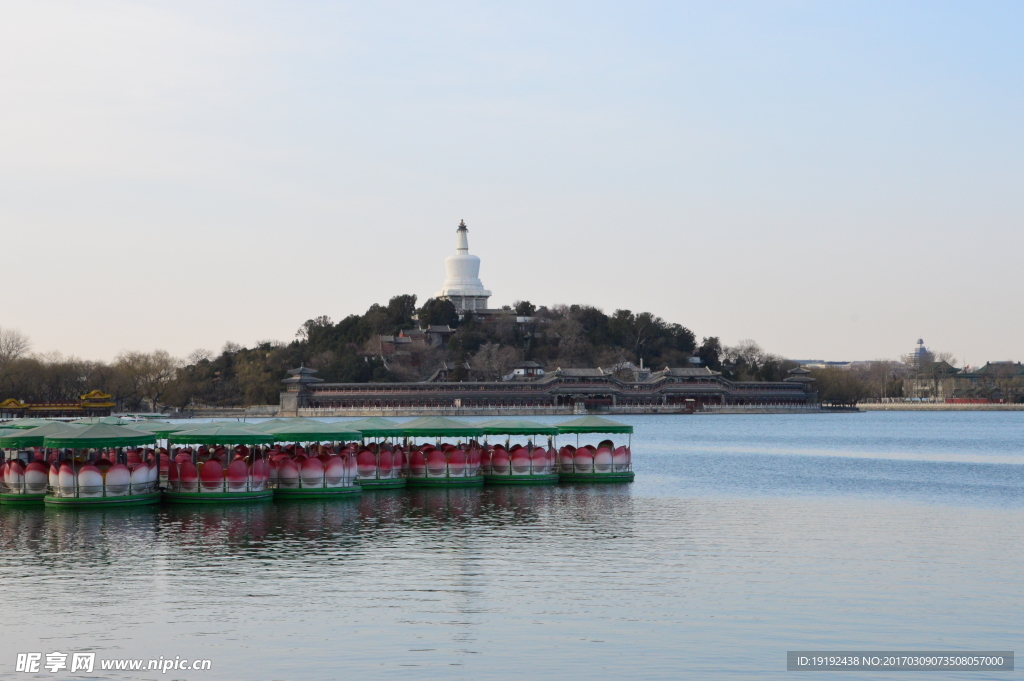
[(98, 531), (201, 525), (53, 536), (440, 504)]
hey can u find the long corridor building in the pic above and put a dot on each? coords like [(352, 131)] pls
[(591, 389)]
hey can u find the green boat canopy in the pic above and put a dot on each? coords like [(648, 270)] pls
[(220, 434), (264, 425), (25, 424), (99, 435), (33, 437), (372, 421), (109, 420), (159, 428), (514, 427), (438, 426), (315, 432), (376, 426), (272, 424), (593, 424)]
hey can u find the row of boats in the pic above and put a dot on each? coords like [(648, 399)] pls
[(110, 461)]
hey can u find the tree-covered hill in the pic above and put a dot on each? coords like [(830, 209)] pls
[(362, 348)]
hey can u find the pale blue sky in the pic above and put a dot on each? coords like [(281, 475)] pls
[(833, 180)]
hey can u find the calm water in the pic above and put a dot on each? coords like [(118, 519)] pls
[(744, 536)]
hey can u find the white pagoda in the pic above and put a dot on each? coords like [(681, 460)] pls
[(462, 284)]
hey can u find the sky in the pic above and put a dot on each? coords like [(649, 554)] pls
[(833, 180)]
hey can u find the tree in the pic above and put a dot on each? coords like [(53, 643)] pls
[(13, 345), (524, 308), (746, 352), (312, 328), (130, 368), (145, 377), (635, 331), (594, 322), (882, 378), (710, 352), (401, 310), (838, 386), (493, 362), (160, 370), (573, 347), (438, 312)]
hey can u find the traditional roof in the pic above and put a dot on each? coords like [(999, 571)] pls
[(996, 369), (938, 368), (799, 375), (302, 376), (579, 373), (686, 371)]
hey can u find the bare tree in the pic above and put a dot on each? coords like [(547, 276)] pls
[(160, 370), (13, 345), (494, 361), (145, 376), (200, 355), (746, 351), (573, 347)]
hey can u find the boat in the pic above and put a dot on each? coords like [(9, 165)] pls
[(519, 464), (25, 460), (97, 465), (443, 464), (215, 465), (605, 462), (320, 463), (382, 463)]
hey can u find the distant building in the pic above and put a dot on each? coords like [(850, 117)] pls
[(822, 364), (801, 376), (93, 403), (444, 372), (994, 382), (932, 381), (526, 369), (921, 356), (409, 339)]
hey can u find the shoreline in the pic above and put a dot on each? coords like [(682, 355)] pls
[(265, 412), (939, 406)]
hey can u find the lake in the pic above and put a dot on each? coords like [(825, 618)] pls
[(742, 537)]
